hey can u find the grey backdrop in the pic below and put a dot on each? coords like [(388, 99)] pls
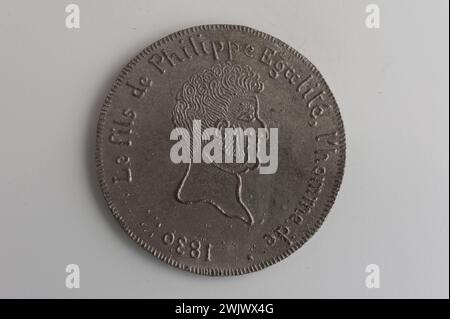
[(392, 88)]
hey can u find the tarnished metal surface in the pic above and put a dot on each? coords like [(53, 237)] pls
[(224, 219)]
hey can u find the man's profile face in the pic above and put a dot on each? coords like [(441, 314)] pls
[(243, 112), (223, 97)]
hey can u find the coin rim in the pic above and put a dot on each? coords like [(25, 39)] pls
[(210, 271)]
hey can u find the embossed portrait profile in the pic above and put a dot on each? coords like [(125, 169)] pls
[(222, 96)]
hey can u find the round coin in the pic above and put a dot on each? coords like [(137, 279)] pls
[(220, 149)]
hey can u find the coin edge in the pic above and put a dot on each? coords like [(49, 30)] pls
[(167, 259)]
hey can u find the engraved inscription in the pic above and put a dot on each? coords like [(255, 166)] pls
[(197, 46), (309, 86), (120, 135), (326, 144), (183, 246), (284, 232), (122, 128), (123, 161), (139, 90)]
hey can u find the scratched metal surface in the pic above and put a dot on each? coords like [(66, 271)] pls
[(219, 219)]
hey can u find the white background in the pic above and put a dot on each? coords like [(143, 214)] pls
[(392, 88)]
